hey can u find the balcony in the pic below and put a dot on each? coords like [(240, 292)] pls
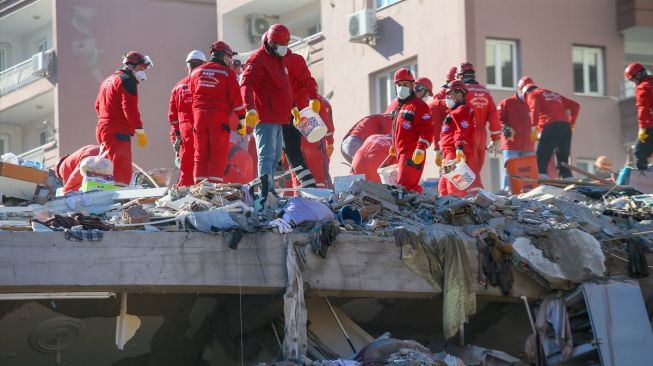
[(38, 66), (311, 47)]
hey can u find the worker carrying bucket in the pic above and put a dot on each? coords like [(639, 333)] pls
[(311, 125)]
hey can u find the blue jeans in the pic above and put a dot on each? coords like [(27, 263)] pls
[(511, 154), (269, 142)]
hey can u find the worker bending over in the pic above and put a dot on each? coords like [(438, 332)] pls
[(67, 168)]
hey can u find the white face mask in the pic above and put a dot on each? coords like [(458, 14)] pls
[(140, 75), (450, 103), (281, 50), (403, 92)]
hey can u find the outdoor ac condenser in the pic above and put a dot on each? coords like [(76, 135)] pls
[(257, 24), (40, 64), (362, 25)]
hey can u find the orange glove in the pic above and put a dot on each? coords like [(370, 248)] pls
[(418, 156), (460, 156), (438, 158), (329, 150), (392, 151)]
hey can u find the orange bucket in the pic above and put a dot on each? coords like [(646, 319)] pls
[(525, 167)]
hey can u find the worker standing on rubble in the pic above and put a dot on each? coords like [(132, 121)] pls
[(67, 168), (516, 127), (304, 91), (549, 117), (118, 116), (361, 130), (180, 116), (412, 130), (370, 156), (216, 95), (643, 149), (484, 113), (439, 111)]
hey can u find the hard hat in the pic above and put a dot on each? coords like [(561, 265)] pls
[(525, 80), (221, 46), (465, 68), (632, 70), (134, 58), (457, 85), (451, 73), (279, 34), (527, 88), (196, 55), (603, 162), (403, 74), (426, 83)]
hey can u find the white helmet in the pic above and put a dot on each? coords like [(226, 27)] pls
[(196, 55)]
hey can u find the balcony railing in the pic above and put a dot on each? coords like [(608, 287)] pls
[(310, 47), (25, 72)]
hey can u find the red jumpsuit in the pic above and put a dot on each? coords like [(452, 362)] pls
[(302, 83), (644, 101), (180, 116), (513, 112), (216, 95), (370, 156), (413, 129), (439, 112), (116, 106), (485, 111), (240, 166), (371, 125), (67, 168)]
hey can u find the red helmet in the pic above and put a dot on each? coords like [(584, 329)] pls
[(220, 46), (279, 34), (451, 73), (457, 85), (465, 68), (525, 80), (527, 88), (134, 58), (403, 74), (426, 83), (632, 70)]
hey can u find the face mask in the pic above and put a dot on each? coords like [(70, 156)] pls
[(450, 103), (139, 75), (425, 98), (281, 50), (403, 92)]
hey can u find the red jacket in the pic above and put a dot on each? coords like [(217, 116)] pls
[(438, 113), (463, 119), (214, 86), (547, 107), (180, 109), (485, 110), (370, 125), (117, 103), (370, 156), (265, 87), (644, 100), (240, 168), (67, 168), (513, 112), (413, 126), (302, 83)]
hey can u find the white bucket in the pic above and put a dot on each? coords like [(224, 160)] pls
[(461, 177), (388, 174), (311, 125)]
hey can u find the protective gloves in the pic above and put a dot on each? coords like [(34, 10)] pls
[(177, 144), (534, 133), (438, 158), (418, 156), (392, 151), (141, 138), (508, 133), (242, 128), (281, 225), (329, 150), (295, 115), (315, 105), (460, 155), (642, 136), (251, 118)]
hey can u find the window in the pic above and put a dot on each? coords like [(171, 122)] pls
[(385, 88), (42, 45), (587, 164), (5, 49), (383, 3), (588, 70), (43, 138), (501, 63), (314, 30), (4, 144)]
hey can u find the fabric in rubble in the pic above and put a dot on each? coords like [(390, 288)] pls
[(322, 236), (440, 258), (211, 220), (494, 262), (78, 233), (379, 350), (295, 340), (554, 312), (299, 210), (637, 264)]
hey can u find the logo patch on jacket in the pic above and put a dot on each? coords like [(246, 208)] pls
[(426, 117), (464, 124), (445, 127), (407, 115), (406, 125)]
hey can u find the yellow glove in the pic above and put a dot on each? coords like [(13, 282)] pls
[(329, 150), (242, 128), (418, 156), (315, 105), (392, 151), (642, 136), (573, 129), (460, 156), (251, 118), (141, 138), (438, 158), (295, 115), (534, 133)]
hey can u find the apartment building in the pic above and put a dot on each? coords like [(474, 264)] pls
[(578, 48)]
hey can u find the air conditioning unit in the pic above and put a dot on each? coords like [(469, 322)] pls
[(362, 25), (40, 63), (257, 24)]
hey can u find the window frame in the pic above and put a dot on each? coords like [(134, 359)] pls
[(600, 70), (6, 140), (497, 71), (591, 168), (386, 4), (6, 48), (41, 43), (389, 72)]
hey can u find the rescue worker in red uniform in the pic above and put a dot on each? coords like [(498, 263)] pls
[(216, 95), (423, 88), (366, 127), (240, 166), (116, 106), (548, 112), (180, 116), (370, 156), (485, 112), (643, 148), (412, 130), (516, 128), (67, 168), (439, 111)]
